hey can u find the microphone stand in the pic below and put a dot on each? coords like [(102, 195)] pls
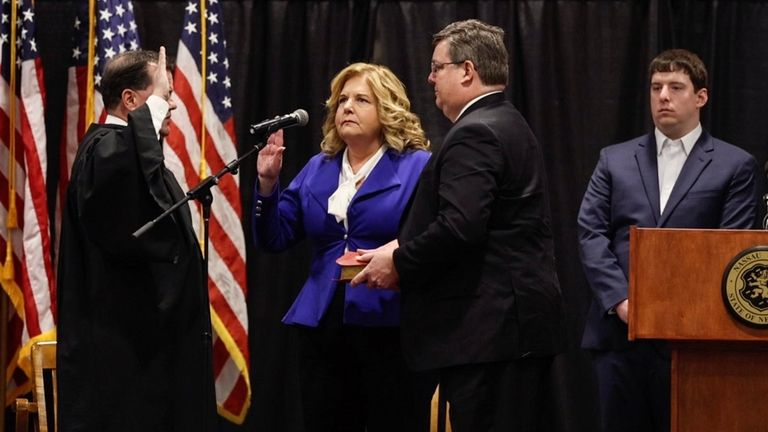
[(765, 219), (202, 194)]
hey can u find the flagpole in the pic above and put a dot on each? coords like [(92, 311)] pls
[(90, 111), (206, 199), (203, 72), (11, 222), (201, 140), (7, 273)]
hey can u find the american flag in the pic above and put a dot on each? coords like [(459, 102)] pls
[(193, 152), (111, 29), (26, 274)]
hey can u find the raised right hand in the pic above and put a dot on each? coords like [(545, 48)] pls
[(161, 84), (269, 162)]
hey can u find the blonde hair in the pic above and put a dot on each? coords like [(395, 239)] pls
[(400, 128)]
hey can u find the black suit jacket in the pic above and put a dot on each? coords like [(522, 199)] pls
[(476, 260)]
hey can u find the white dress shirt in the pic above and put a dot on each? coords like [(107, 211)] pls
[(671, 156)]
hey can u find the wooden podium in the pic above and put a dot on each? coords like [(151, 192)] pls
[(719, 364)]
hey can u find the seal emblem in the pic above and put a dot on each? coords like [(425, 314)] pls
[(745, 287)]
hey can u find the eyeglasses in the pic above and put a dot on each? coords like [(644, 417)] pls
[(436, 67)]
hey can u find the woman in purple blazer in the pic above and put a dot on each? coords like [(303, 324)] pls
[(348, 197)]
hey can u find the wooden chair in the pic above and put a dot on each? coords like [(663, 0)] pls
[(43, 393), (438, 421)]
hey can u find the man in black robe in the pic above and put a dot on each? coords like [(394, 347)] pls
[(134, 325)]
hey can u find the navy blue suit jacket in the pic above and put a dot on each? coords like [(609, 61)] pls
[(716, 189)]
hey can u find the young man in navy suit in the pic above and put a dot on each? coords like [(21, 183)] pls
[(677, 176)]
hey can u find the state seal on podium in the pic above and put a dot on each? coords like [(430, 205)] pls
[(745, 287)]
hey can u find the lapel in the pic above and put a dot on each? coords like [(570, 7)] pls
[(326, 180), (700, 157), (645, 156), (383, 176)]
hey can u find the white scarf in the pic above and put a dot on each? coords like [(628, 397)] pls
[(339, 201)]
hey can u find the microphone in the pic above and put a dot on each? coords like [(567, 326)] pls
[(296, 118)]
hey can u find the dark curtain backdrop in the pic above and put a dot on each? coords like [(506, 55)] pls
[(578, 74)]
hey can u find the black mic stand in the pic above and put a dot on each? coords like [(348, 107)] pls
[(202, 194)]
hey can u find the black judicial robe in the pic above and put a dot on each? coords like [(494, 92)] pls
[(131, 312)]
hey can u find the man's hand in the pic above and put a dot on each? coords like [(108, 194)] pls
[(380, 271), (622, 310), (161, 84)]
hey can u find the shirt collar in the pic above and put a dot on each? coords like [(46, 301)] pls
[(688, 140), (475, 100), (114, 120)]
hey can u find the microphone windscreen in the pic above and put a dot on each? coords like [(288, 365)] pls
[(303, 117)]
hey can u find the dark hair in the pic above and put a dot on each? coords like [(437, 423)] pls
[(127, 70), (482, 44), (676, 60)]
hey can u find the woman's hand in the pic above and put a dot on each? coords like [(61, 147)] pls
[(269, 163)]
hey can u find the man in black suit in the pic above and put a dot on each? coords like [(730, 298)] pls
[(481, 303)]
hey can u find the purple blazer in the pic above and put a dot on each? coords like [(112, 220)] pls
[(288, 216)]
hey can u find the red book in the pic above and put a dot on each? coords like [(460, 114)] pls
[(350, 266)]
